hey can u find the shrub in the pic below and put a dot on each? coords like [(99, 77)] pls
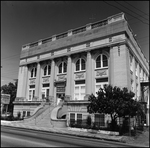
[(88, 120), (19, 115)]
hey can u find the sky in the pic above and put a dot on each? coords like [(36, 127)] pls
[(25, 22)]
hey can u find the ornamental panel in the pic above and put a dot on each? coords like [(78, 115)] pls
[(101, 73), (61, 78), (79, 76), (46, 80), (32, 81)]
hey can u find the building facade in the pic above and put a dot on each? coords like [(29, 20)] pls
[(74, 64)]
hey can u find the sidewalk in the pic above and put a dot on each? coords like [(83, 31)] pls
[(68, 131)]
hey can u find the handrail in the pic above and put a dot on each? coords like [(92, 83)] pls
[(36, 113)]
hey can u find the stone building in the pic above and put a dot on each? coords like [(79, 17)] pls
[(76, 63)]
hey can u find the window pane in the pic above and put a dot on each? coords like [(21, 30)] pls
[(77, 89), (78, 65), (65, 67), (102, 120), (49, 69), (60, 68), (97, 88), (32, 73), (76, 96), (35, 72), (72, 118), (105, 61), (79, 118), (47, 93), (98, 62), (82, 96), (82, 89), (45, 70), (24, 114), (28, 113), (82, 64), (30, 94), (33, 93)]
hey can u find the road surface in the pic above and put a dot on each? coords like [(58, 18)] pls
[(20, 137)]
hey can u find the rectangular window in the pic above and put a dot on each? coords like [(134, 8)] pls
[(100, 120), (79, 118), (79, 92), (32, 86), (45, 93), (24, 114), (45, 85), (72, 118), (102, 80), (100, 84), (80, 82), (31, 94), (28, 113)]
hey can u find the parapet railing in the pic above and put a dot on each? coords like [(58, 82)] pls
[(109, 20)]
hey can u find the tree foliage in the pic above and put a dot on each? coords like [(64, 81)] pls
[(11, 89), (114, 101)]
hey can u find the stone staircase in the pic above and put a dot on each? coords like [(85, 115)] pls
[(46, 115), (42, 120)]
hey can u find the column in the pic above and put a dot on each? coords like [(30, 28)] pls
[(24, 89), (134, 78), (37, 83), (88, 83), (22, 78), (68, 86), (139, 87), (19, 83), (51, 92)]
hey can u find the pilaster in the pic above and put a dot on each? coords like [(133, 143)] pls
[(88, 89), (134, 77), (25, 81), (37, 83), (68, 86), (139, 86), (51, 92), (119, 69), (22, 78)]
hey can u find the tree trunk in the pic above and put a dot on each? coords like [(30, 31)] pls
[(113, 123)]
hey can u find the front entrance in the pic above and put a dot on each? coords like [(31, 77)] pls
[(60, 97), (60, 91)]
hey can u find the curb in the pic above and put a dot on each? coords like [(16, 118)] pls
[(62, 132), (74, 134)]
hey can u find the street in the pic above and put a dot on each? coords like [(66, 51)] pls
[(18, 137)]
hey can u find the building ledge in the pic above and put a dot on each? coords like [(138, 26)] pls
[(27, 102), (79, 102)]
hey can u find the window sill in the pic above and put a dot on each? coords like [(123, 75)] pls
[(101, 68), (46, 76), (59, 74), (32, 78), (80, 71)]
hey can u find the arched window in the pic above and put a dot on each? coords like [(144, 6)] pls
[(101, 61), (105, 61), (47, 70), (33, 72), (62, 67), (80, 64)]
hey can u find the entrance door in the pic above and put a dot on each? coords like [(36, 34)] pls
[(60, 97)]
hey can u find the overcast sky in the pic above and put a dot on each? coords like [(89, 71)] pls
[(24, 22)]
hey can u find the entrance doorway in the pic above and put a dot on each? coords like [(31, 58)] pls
[(60, 97)]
